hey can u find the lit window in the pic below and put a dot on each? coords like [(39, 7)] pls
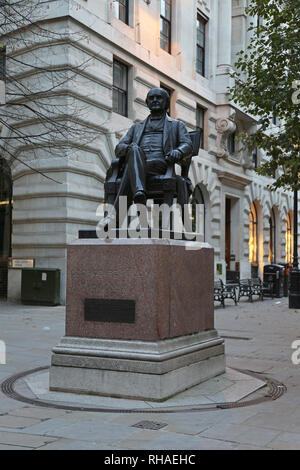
[(288, 240), (253, 252), (200, 54), (165, 25), (120, 87)]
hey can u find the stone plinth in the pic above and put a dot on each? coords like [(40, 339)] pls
[(165, 344)]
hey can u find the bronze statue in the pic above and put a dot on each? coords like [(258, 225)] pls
[(151, 144), (145, 158)]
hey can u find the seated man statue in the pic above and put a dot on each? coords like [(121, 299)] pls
[(149, 146)]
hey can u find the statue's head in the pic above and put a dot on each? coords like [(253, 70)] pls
[(158, 100)]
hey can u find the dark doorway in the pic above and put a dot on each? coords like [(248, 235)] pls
[(5, 223)]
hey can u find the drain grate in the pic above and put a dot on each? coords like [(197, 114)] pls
[(275, 391), (150, 425)]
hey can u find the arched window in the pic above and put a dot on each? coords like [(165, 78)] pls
[(198, 212), (288, 240), (272, 238), (253, 236)]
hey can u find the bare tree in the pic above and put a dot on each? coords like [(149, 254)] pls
[(42, 111)]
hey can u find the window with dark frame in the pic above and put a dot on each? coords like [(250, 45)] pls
[(122, 10), (120, 88), (255, 158), (200, 113), (231, 143), (165, 25), (2, 63), (200, 45)]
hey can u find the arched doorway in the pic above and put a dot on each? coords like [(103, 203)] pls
[(5, 223), (253, 240)]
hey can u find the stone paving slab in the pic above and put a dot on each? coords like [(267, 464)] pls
[(241, 433), (104, 432), (72, 444), (155, 440), (24, 440), (36, 412), (278, 421), (286, 441), (8, 447), (17, 422)]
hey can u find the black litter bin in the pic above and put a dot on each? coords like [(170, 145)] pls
[(287, 267), (40, 286), (274, 274)]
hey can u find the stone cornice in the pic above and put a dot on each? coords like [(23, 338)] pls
[(233, 179)]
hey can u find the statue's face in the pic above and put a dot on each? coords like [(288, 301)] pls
[(157, 100)]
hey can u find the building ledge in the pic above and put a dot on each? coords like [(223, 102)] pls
[(234, 180)]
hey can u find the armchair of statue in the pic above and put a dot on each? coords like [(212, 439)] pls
[(160, 188)]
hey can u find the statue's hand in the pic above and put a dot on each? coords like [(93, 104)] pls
[(122, 150), (174, 156), (133, 145)]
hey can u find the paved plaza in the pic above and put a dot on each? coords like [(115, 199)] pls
[(258, 338)]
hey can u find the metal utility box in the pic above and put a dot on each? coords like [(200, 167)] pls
[(274, 274), (40, 286)]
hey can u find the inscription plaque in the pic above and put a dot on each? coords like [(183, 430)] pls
[(109, 310)]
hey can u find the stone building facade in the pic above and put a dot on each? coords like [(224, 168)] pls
[(130, 46)]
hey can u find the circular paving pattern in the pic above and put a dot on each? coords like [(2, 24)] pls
[(275, 391)]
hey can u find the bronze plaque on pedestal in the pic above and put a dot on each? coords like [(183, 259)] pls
[(109, 310)]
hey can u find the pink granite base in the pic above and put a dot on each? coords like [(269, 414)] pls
[(172, 287)]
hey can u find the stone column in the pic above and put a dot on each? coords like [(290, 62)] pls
[(224, 48), (224, 33)]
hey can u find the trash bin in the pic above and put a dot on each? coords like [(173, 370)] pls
[(40, 286), (274, 274), (287, 267)]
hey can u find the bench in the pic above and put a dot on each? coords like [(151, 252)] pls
[(225, 291), (219, 292), (230, 290)]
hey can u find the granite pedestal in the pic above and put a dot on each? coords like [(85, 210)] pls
[(139, 319)]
